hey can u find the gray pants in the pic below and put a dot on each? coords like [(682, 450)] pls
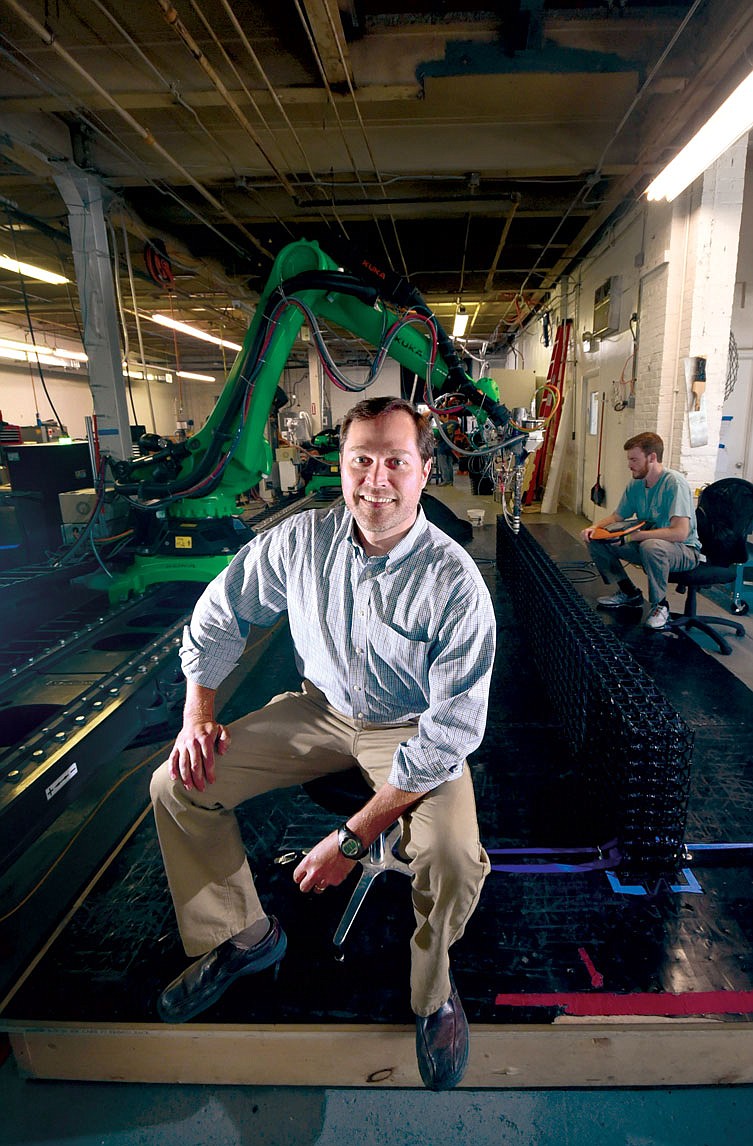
[(446, 469), (658, 559), (295, 738)]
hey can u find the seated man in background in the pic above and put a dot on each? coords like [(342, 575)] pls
[(669, 542), (394, 634)]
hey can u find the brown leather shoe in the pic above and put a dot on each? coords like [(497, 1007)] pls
[(442, 1044), (209, 977)]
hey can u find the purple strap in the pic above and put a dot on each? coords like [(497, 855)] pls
[(603, 856)]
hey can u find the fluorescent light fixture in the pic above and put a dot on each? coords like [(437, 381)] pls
[(461, 322), (24, 352), (8, 344), (139, 376), (724, 128), (194, 331), (140, 371), (31, 272), (73, 355), (28, 348), (22, 356), (196, 377)]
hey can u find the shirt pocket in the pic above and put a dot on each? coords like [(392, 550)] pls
[(390, 652)]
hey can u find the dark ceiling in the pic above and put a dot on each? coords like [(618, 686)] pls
[(479, 151)]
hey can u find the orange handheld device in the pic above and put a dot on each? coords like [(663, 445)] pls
[(617, 531)]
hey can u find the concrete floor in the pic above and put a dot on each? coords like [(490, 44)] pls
[(75, 1114), (92, 1114)]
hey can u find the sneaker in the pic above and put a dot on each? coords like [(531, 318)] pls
[(620, 600), (657, 618)]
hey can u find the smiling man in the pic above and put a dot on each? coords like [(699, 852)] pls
[(394, 635), (383, 472)]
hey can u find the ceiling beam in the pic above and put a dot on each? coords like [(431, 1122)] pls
[(208, 98), (326, 28)]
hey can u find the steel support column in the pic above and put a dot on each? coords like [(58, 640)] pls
[(85, 197)]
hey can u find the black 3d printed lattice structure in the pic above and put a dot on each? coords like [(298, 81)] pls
[(632, 751)]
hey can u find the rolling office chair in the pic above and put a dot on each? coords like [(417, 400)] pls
[(725, 518), (344, 793)]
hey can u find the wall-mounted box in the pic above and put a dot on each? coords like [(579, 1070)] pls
[(607, 299)]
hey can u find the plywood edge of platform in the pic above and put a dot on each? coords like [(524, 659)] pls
[(574, 1055)]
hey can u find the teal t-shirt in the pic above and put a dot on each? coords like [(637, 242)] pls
[(670, 497)]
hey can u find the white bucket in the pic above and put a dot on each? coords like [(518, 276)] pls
[(477, 517)]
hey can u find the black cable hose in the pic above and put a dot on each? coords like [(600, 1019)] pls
[(340, 281)]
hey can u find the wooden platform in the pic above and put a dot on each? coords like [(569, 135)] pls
[(572, 1055), (568, 978)]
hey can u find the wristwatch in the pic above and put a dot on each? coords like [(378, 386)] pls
[(351, 845)]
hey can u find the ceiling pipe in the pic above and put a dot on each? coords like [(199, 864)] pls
[(37, 155), (121, 214), (338, 34), (343, 135), (175, 22), (488, 287), (270, 89), (50, 41), (268, 84), (170, 86), (511, 196)]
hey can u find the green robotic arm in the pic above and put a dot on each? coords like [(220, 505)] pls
[(202, 477), (194, 484)]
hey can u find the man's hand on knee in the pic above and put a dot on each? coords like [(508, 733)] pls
[(192, 759)]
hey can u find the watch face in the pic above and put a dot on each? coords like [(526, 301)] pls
[(350, 848)]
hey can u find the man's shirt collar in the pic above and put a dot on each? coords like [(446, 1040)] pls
[(404, 546)]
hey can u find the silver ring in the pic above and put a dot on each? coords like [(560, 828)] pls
[(321, 887)]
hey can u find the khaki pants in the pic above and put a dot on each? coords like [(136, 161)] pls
[(293, 739)]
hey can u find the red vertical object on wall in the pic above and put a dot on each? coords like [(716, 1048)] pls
[(556, 379)]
